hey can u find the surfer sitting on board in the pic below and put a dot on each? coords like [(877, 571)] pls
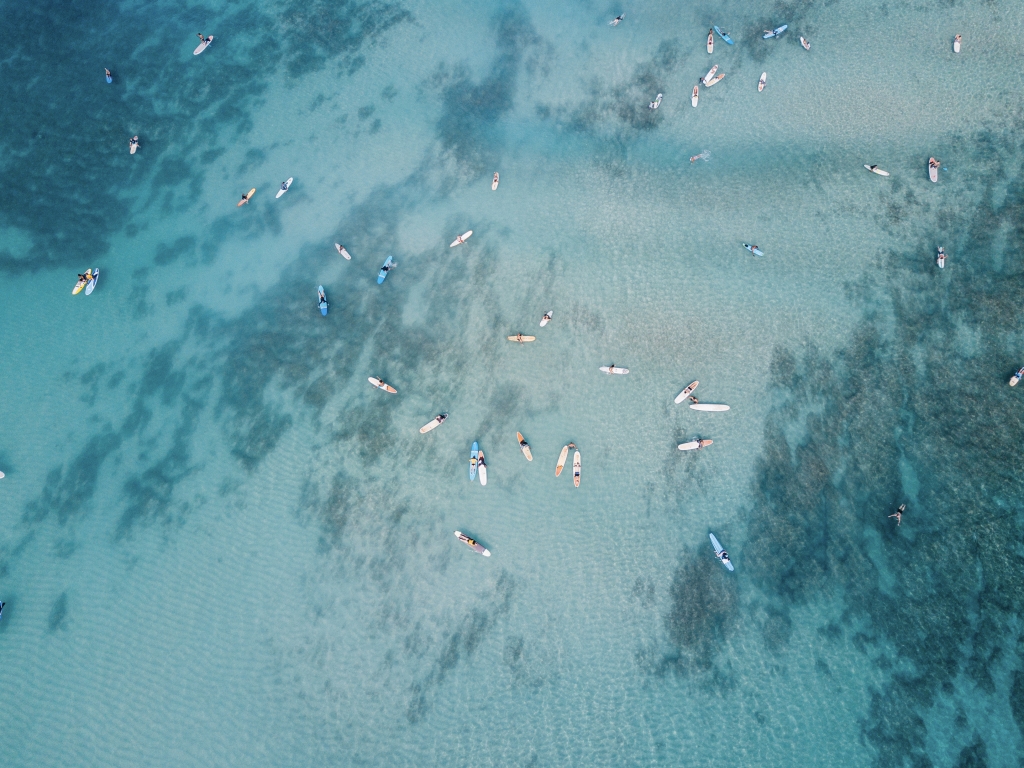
[(723, 556), (899, 514), (203, 39)]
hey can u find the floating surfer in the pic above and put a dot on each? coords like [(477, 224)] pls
[(898, 514), (615, 22)]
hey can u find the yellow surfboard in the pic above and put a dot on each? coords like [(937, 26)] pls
[(246, 197)]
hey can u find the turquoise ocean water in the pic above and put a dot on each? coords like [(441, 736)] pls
[(220, 546)]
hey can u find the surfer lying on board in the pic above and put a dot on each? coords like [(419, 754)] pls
[(723, 556), (899, 514)]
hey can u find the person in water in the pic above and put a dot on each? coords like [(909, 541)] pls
[(694, 400), (899, 514)]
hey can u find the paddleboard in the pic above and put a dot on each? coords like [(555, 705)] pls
[(694, 445), (719, 549), (472, 544), (461, 239), (521, 338), (956, 46), (709, 75), (762, 81), (657, 102), (940, 259), (876, 169), (576, 468), (321, 300), (1013, 383), (547, 318), (805, 43), (133, 145), (716, 79), (524, 446), (474, 452), (494, 182), (711, 41), (381, 385), (284, 188), (768, 34), (708, 407), (246, 197), (933, 169), (561, 460), (341, 249), (482, 468), (723, 35), (693, 101), (610, 369), (686, 392), (82, 283), (203, 46), (91, 285), (433, 423), (106, 73), (754, 249), (388, 266)]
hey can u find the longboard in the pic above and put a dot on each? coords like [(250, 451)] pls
[(753, 249), (472, 544), (133, 146), (246, 197), (711, 41), (940, 260), (956, 45), (524, 446), (769, 34), (762, 81), (694, 445), (610, 369), (561, 460), (716, 79), (91, 285), (284, 189), (482, 468), (719, 549), (708, 407), (381, 385), (203, 46), (341, 249), (723, 35), (522, 339), (82, 283), (322, 303), (709, 75), (494, 182), (387, 267), (694, 96), (433, 423), (933, 169), (547, 318), (461, 238), (686, 392), (805, 43), (876, 169), (576, 467), (474, 452)]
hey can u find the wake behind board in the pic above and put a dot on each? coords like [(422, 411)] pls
[(284, 187), (686, 392), (91, 285), (713, 407)]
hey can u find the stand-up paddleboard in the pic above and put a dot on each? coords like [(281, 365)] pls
[(547, 318), (473, 460), (472, 544), (762, 81), (615, 22), (723, 35), (770, 33), (341, 249), (524, 446), (482, 468), (720, 552), (577, 466), (709, 75), (494, 182), (388, 266), (561, 460), (1013, 381), (657, 102), (133, 145), (106, 74), (433, 423), (686, 392), (712, 407), (610, 369), (203, 45), (940, 260), (956, 43), (379, 384), (711, 41), (246, 197), (753, 249), (693, 445), (321, 300), (933, 169), (82, 283), (521, 338), (716, 79), (876, 169), (284, 186), (461, 238), (91, 285), (805, 43), (693, 99)]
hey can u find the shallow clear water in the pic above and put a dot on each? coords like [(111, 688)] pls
[(220, 546)]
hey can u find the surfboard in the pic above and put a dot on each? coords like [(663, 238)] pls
[(547, 318), (246, 197), (657, 102), (709, 75), (381, 385), (876, 169), (940, 259), (91, 285), (723, 35), (341, 249), (762, 81), (481, 468), (434, 423), (524, 446), (610, 369), (561, 460), (719, 549), (956, 44), (576, 468), (933, 169), (716, 79), (805, 43), (285, 187), (770, 33), (203, 46), (686, 392), (521, 338), (473, 460), (693, 98), (461, 238), (106, 74), (694, 445), (388, 266), (711, 41), (494, 182), (82, 283), (708, 407), (472, 544), (321, 302), (753, 249), (1013, 382), (133, 145)]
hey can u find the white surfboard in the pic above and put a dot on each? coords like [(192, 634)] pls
[(716, 79), (203, 46), (609, 369), (876, 169), (547, 318), (91, 285), (694, 96), (481, 468), (434, 423), (461, 238), (709, 75), (494, 181), (694, 445), (933, 169), (762, 81), (686, 392), (711, 41), (956, 44), (284, 189), (577, 467), (341, 249), (708, 407)]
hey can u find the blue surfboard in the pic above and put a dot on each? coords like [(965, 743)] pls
[(388, 266), (724, 36), (472, 460), (321, 300), (777, 32)]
